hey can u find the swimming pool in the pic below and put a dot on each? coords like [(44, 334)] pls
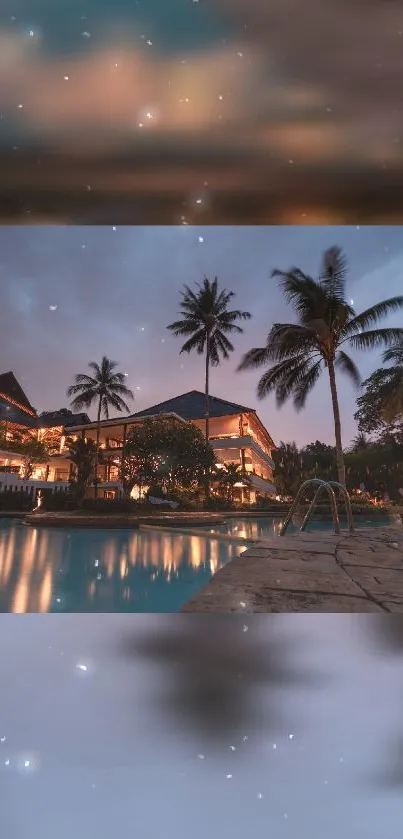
[(90, 570)]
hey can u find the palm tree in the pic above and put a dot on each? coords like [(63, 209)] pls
[(360, 442), (326, 323), (207, 320), (106, 387), (229, 476), (83, 455)]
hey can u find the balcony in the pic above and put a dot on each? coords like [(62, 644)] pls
[(248, 442), (261, 484)]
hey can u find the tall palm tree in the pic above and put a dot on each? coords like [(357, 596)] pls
[(105, 387), (297, 352), (207, 320)]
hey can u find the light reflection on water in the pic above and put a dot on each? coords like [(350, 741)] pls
[(264, 527), (45, 570)]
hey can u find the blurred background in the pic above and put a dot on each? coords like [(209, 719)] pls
[(170, 725), (201, 111)]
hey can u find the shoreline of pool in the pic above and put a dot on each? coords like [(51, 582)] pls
[(172, 519), (122, 521)]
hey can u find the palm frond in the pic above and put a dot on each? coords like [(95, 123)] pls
[(307, 297), (299, 375), (287, 339), (184, 327), (394, 353), (236, 314), (222, 344), (254, 358), (375, 338), (84, 379), (196, 342), (303, 388), (276, 375), (346, 364), (372, 316), (117, 402), (333, 273), (122, 390)]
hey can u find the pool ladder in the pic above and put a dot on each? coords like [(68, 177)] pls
[(329, 486)]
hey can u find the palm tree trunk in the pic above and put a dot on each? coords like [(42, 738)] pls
[(97, 451), (207, 396), (341, 469), (207, 387)]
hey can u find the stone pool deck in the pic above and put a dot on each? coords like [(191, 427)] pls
[(311, 572)]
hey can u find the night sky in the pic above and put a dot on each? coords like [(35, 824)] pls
[(147, 100), (116, 289)]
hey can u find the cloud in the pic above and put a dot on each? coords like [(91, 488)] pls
[(289, 118), (118, 89), (317, 97)]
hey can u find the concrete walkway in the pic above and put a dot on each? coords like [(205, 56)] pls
[(311, 572)]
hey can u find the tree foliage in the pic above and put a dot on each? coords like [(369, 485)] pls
[(295, 354), (380, 405), (83, 455), (227, 477), (376, 467), (25, 443), (106, 388), (166, 451)]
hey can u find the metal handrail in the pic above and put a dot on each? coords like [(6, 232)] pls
[(321, 485)]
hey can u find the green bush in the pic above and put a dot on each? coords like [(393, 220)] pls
[(155, 491), (215, 504), (58, 502), (111, 505), (16, 502)]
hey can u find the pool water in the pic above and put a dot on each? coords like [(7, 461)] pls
[(264, 528), (91, 570)]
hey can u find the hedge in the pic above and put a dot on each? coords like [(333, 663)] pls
[(16, 502)]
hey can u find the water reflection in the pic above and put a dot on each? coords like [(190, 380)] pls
[(44, 570), (251, 529)]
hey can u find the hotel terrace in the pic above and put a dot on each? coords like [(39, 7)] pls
[(237, 435)]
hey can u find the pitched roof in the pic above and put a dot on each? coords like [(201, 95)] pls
[(10, 414), (10, 388), (192, 406), (65, 418)]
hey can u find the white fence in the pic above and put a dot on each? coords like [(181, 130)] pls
[(13, 483)]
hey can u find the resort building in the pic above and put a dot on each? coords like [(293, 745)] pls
[(237, 435), (18, 417)]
